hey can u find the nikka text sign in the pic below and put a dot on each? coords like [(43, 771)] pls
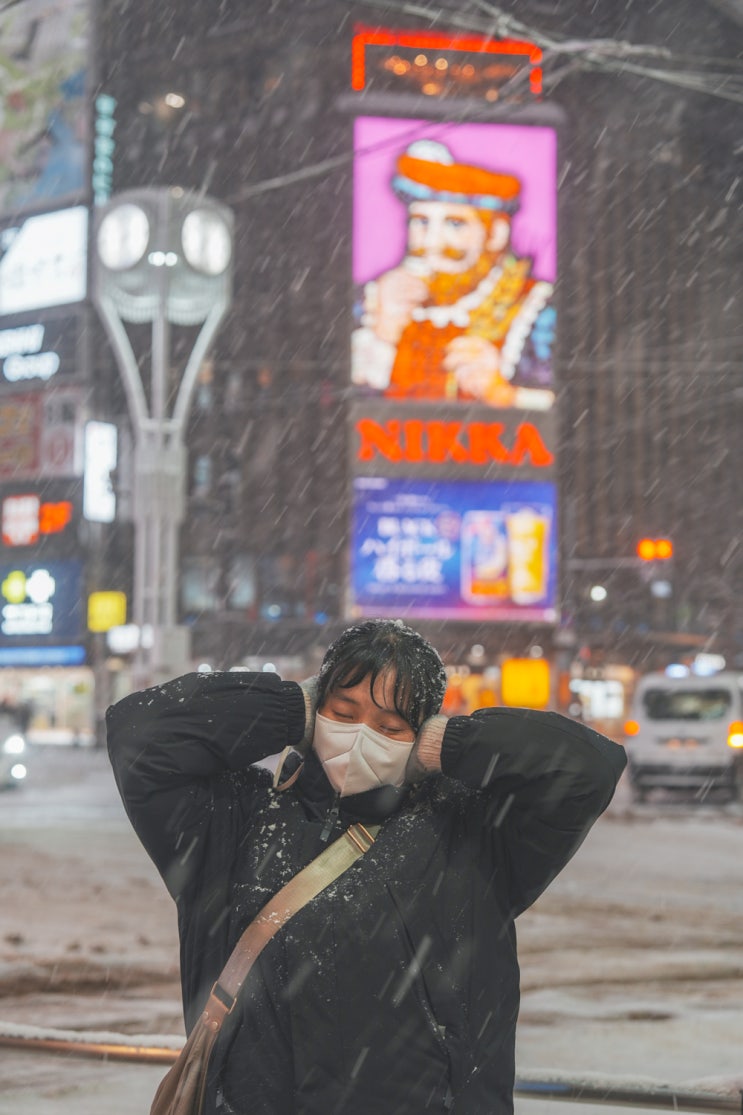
[(455, 441)]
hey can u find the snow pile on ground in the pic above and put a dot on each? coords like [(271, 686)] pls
[(108, 1038)]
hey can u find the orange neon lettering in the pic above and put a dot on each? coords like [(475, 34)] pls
[(486, 444), (443, 444), (475, 443), (414, 440), (377, 438), (529, 444), (54, 517)]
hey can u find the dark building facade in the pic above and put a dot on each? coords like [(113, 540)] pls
[(649, 386)]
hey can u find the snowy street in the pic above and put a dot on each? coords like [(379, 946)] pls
[(632, 962)]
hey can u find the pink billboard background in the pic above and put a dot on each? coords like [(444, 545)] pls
[(379, 217)]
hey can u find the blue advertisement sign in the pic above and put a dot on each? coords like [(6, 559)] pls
[(456, 549), (41, 602), (42, 656)]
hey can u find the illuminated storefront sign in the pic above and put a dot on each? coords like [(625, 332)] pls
[(99, 498), (526, 682), (436, 63), (42, 656), (106, 610), (36, 351), (454, 549), (104, 146), (454, 261), (39, 434), (25, 518), (43, 261), (41, 600)]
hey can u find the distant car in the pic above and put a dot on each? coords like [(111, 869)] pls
[(12, 751), (686, 733)]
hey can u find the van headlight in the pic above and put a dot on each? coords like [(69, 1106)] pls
[(14, 745)]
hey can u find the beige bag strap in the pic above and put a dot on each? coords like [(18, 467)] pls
[(306, 884), (277, 784)]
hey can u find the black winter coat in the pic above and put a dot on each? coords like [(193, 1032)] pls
[(394, 992)]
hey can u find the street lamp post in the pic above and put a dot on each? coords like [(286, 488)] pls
[(162, 255)]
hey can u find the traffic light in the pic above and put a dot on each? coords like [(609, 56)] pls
[(655, 570), (655, 549)]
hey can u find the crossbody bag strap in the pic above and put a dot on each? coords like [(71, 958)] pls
[(306, 884)]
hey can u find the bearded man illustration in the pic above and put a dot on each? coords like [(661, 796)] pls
[(461, 316)]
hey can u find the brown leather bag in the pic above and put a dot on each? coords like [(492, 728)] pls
[(181, 1091)]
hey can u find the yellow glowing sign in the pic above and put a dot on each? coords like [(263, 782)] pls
[(14, 587), (106, 610), (525, 683)]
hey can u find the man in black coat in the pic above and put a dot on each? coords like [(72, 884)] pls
[(396, 990)]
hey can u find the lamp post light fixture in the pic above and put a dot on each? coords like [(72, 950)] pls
[(164, 256)]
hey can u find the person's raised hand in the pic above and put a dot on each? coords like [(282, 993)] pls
[(425, 758), (309, 692)]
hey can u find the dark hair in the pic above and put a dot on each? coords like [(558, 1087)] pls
[(372, 648)]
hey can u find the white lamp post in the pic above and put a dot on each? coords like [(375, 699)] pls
[(162, 256)]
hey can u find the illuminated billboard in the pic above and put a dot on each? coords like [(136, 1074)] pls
[(44, 120), (466, 550), (39, 434), (101, 457), (43, 261), (41, 600), (454, 261), (34, 515), (444, 64), (34, 350)]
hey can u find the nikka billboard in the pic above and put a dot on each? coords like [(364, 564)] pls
[(453, 433), (454, 261)]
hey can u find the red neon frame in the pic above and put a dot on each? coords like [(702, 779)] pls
[(380, 36)]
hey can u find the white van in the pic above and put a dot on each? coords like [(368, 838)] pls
[(686, 733)]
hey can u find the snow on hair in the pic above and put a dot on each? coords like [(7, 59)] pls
[(370, 649)]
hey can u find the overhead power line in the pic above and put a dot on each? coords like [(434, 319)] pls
[(563, 57)]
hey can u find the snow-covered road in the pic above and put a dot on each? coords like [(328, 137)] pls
[(632, 962)]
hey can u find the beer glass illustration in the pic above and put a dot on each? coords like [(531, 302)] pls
[(484, 569), (527, 530)]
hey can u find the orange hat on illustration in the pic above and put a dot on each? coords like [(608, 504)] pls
[(427, 171)]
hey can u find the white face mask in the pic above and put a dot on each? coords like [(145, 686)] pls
[(356, 758)]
